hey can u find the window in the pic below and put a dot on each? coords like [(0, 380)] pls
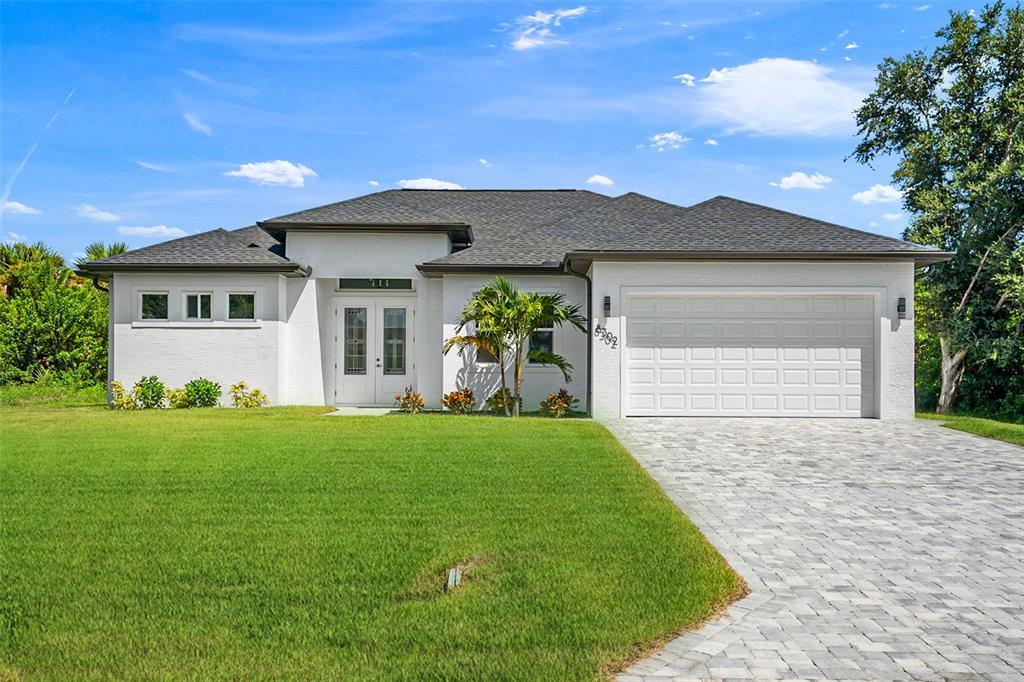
[(394, 341), (542, 340), (374, 283), (154, 307), (241, 306), (355, 341), (198, 306)]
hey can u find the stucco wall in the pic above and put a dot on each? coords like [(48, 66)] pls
[(178, 351), (539, 381), (360, 254), (896, 342)]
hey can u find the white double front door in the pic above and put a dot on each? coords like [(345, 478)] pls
[(374, 351)]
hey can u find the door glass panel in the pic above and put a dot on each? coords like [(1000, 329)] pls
[(394, 341), (355, 340)]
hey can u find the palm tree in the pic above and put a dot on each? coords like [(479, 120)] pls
[(504, 318), (99, 251), (483, 316), (16, 260)]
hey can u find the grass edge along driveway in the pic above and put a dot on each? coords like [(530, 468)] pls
[(1007, 432), (280, 544)]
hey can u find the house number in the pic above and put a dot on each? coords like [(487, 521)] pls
[(606, 336)]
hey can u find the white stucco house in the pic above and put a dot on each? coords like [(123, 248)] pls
[(724, 308)]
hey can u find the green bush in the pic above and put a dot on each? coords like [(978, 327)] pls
[(241, 396), (558, 404), (51, 321), (459, 402), (499, 399), (202, 393), (148, 393), (409, 401)]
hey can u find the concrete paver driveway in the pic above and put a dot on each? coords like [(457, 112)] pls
[(873, 550)]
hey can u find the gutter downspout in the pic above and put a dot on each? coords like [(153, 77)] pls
[(96, 283), (590, 331)]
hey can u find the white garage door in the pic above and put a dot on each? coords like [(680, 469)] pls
[(749, 355)]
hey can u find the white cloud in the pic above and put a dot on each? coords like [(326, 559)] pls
[(842, 34), (892, 216), (152, 231), (533, 30), (485, 163), (873, 224), (779, 97), (17, 207), (670, 140), (711, 142), (878, 194), (374, 183), (428, 183), (686, 79), (91, 212), (922, 8), (195, 124), (847, 59), (851, 46), (603, 180), (155, 167), (276, 172), (801, 180), (14, 238)]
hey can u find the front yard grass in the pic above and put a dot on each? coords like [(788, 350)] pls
[(281, 544), (990, 428)]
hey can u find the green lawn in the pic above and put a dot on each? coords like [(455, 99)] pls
[(281, 544), (990, 428)]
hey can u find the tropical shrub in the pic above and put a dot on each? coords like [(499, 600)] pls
[(242, 396), (119, 397), (50, 320), (148, 393), (558, 404), (177, 398), (459, 402), (202, 393), (409, 401), (500, 401)]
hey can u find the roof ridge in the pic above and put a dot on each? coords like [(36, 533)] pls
[(650, 198), (332, 203), (816, 220), (487, 189)]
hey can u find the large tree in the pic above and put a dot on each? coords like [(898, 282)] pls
[(954, 121)]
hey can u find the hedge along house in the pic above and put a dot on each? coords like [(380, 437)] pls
[(724, 308)]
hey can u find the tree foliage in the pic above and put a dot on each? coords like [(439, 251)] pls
[(52, 323), (954, 120)]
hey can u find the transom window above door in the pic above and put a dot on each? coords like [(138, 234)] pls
[(375, 283), (199, 306)]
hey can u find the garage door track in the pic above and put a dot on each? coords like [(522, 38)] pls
[(873, 550)]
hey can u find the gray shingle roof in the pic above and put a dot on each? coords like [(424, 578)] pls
[(538, 228), (245, 247)]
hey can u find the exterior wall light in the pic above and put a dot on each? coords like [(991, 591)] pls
[(901, 308), (607, 306)]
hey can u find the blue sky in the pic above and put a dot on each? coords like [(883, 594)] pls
[(149, 120)]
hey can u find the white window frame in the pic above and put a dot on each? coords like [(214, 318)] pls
[(241, 292), (152, 292), (199, 306)]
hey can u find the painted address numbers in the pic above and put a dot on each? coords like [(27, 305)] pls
[(606, 336)]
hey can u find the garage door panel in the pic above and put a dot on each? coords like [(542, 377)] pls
[(778, 355)]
